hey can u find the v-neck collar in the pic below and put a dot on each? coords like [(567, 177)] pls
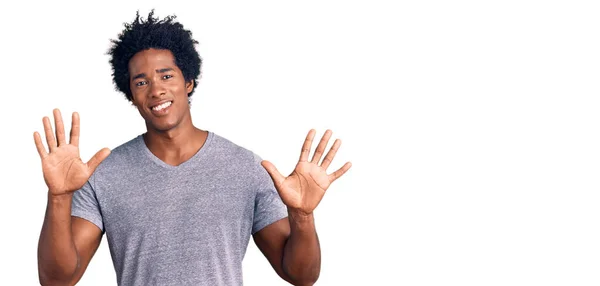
[(142, 145)]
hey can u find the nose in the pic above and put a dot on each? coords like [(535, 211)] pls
[(157, 89)]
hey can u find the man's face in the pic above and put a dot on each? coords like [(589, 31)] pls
[(159, 89)]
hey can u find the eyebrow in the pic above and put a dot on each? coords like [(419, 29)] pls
[(141, 75)]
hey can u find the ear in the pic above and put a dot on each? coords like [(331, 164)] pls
[(189, 86)]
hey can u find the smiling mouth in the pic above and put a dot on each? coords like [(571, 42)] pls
[(162, 106)]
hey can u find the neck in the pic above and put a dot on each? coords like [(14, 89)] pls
[(176, 145)]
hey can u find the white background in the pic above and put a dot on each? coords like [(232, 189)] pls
[(472, 127)]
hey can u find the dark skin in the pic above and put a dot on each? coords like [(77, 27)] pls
[(67, 244)]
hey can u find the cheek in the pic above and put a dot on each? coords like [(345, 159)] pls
[(179, 89), (178, 85), (138, 103), (139, 95)]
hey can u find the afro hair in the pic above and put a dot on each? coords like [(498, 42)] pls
[(153, 33)]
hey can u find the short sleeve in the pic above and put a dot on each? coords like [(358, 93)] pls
[(85, 205), (268, 207)]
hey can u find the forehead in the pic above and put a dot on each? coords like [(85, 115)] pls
[(151, 59)]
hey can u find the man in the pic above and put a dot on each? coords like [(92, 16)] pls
[(178, 204)]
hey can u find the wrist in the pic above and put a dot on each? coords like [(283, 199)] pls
[(299, 218), (299, 214), (60, 198)]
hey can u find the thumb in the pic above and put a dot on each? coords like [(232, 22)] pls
[(97, 159), (273, 172)]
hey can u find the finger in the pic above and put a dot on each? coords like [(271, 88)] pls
[(331, 154), (341, 171), (49, 134), (39, 145), (307, 145), (60, 127), (97, 159), (321, 147), (74, 140), (273, 172)]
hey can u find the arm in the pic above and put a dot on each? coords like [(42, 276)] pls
[(66, 244), (291, 245)]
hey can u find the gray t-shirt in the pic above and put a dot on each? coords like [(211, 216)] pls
[(179, 225)]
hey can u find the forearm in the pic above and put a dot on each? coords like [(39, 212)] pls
[(302, 253), (57, 254)]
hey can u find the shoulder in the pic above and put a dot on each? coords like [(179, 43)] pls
[(125, 154), (233, 152), (245, 164), (238, 160)]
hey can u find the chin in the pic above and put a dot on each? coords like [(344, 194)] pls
[(163, 128), (162, 124)]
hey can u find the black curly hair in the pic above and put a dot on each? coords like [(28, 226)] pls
[(154, 33)]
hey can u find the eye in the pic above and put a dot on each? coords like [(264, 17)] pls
[(167, 76), (140, 83)]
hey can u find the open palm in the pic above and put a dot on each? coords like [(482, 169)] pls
[(64, 172), (304, 188)]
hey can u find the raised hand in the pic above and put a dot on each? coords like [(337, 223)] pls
[(304, 188), (64, 172)]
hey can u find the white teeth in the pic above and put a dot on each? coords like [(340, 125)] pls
[(162, 106)]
